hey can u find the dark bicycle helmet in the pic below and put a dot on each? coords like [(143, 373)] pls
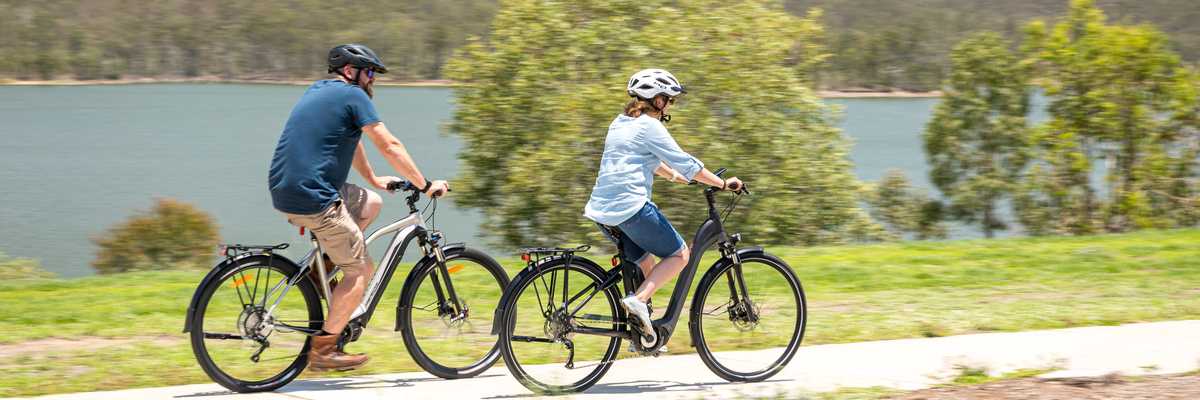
[(357, 55)]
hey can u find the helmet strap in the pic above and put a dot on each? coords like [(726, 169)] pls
[(662, 116), (356, 81)]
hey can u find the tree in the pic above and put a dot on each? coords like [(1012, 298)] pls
[(1117, 95), (903, 209), (976, 143), (171, 235), (537, 99)]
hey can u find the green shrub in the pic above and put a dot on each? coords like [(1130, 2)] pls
[(172, 235), (21, 268)]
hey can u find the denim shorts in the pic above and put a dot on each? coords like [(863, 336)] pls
[(648, 231)]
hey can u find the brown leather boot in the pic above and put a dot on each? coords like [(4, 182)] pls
[(324, 356)]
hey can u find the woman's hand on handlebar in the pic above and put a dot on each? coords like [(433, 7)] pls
[(734, 184)]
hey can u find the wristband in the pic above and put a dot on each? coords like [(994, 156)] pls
[(427, 185), (724, 184)]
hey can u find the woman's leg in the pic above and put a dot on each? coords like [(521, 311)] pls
[(661, 273)]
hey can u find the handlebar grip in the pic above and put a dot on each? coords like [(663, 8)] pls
[(399, 185), (719, 171)]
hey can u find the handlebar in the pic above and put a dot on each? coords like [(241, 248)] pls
[(405, 186), (739, 189), (400, 185)]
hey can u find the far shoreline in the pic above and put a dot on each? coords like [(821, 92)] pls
[(439, 83)]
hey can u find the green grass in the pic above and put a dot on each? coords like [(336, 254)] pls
[(855, 293)]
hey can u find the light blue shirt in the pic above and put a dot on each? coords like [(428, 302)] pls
[(632, 151)]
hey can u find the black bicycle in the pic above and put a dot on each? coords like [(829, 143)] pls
[(251, 318), (561, 326)]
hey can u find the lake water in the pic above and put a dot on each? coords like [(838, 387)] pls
[(74, 160)]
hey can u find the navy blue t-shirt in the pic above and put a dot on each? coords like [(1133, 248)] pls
[(316, 149)]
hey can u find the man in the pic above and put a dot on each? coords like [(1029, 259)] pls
[(319, 144)]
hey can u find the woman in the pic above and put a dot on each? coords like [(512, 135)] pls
[(637, 147)]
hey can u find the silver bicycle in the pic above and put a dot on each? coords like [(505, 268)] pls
[(251, 317)]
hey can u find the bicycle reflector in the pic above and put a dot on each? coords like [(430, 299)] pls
[(302, 231), (616, 261), (525, 257), (454, 268)]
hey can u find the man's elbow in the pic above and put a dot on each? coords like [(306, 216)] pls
[(394, 149)]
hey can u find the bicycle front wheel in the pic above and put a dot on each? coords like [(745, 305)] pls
[(248, 329), (450, 336), (748, 318)]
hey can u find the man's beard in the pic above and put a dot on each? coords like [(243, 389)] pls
[(369, 88)]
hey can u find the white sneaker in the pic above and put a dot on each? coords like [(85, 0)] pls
[(639, 310)]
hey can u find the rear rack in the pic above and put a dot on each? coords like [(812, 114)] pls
[(532, 255), (556, 250), (232, 250)]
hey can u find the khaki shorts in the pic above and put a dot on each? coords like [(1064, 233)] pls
[(336, 228)]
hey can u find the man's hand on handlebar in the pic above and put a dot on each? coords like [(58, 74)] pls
[(383, 182), (438, 188)]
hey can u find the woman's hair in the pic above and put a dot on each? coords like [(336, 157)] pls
[(637, 107)]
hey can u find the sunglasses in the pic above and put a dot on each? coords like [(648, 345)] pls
[(370, 72)]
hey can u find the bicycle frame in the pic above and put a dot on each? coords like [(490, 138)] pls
[(406, 229)]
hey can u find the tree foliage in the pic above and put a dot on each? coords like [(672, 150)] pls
[(233, 39), (171, 235), (906, 44), (976, 143), (1121, 104), (903, 209), (540, 94), (880, 45)]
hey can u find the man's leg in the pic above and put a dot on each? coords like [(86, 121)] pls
[(363, 205), (347, 296), (342, 241)]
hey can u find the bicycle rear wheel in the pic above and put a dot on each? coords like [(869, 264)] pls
[(748, 333), (538, 339), (240, 333)]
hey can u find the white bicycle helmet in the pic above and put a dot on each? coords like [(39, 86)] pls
[(648, 83)]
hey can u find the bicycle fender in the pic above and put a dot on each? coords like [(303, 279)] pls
[(219, 270), (410, 281), (528, 273), (712, 274)]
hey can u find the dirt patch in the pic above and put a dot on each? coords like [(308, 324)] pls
[(58, 345), (1162, 387)]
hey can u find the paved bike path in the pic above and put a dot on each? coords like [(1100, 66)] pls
[(1134, 349)]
